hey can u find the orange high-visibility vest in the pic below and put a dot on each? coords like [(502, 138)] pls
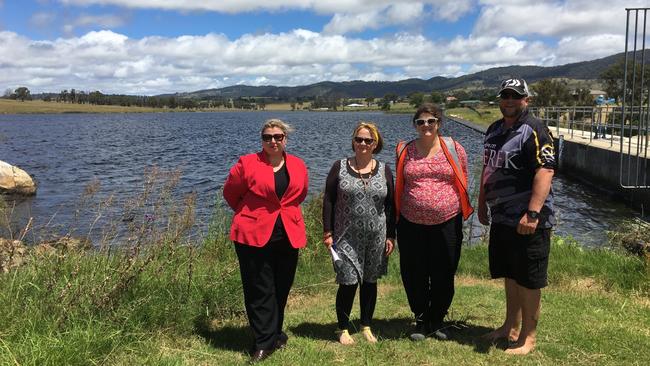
[(460, 181)]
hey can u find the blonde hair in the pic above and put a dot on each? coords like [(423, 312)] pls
[(374, 131), (277, 123)]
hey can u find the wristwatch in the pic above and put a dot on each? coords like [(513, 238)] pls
[(533, 214)]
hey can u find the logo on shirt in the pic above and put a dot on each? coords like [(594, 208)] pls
[(500, 159), (548, 153)]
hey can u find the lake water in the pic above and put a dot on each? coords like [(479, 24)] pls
[(67, 152)]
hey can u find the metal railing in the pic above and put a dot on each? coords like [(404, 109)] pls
[(635, 119), (588, 122), (620, 128)]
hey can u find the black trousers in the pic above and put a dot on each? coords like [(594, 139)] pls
[(345, 299), (267, 274), (429, 256)]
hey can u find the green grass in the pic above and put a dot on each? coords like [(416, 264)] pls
[(179, 302), (483, 116)]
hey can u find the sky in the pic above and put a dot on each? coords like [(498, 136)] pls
[(149, 47)]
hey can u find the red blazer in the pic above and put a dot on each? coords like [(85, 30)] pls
[(250, 191)]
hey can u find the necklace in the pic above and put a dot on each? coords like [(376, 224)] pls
[(365, 180)]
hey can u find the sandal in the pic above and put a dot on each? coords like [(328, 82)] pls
[(367, 333), (344, 337)]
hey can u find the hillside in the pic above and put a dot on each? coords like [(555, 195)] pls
[(490, 78)]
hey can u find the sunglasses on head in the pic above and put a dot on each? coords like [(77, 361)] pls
[(278, 137), (366, 141), (430, 121), (515, 96)]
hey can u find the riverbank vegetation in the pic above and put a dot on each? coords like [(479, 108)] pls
[(9, 106), (483, 116), (153, 291)]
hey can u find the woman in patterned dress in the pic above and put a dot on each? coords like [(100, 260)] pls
[(359, 222), (431, 202)]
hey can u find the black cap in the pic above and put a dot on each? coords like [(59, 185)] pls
[(518, 85)]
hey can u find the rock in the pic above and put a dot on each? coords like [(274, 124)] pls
[(64, 244), (14, 180), (43, 250), (12, 254)]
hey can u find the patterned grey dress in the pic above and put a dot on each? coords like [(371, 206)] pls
[(360, 226)]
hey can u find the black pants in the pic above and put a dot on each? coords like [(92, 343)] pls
[(429, 256), (267, 275), (345, 298)]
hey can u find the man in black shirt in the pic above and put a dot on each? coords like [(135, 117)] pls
[(518, 167)]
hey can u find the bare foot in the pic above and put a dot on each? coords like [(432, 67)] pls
[(367, 333), (520, 348), (344, 337), (501, 333)]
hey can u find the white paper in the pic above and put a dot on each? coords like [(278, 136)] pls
[(335, 255)]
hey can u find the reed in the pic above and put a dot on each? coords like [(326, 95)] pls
[(151, 281)]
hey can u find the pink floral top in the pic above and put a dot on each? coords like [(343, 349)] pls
[(429, 196)]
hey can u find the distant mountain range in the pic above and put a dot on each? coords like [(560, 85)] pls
[(490, 78)]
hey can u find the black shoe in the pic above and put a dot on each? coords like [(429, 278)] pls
[(419, 333), (281, 341), (260, 355), (438, 332)]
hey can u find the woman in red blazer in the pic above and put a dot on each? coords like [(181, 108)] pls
[(265, 189)]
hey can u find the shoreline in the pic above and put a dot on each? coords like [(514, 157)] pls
[(14, 107)]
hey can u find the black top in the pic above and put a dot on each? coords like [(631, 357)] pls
[(510, 158), (281, 184), (331, 186)]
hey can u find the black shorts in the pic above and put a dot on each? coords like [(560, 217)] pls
[(523, 258)]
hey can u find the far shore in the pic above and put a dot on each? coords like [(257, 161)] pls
[(8, 106)]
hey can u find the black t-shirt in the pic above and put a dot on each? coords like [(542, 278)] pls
[(281, 184), (510, 158)]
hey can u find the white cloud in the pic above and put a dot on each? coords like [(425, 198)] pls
[(239, 6), (344, 23), (42, 19), (348, 15), (557, 18), (106, 21), (574, 49), (112, 62), (505, 34), (399, 13)]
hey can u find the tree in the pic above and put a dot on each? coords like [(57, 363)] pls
[(385, 102), (612, 78), (369, 100), (391, 97), (582, 96), (416, 99), (22, 93), (549, 92), (64, 95), (8, 93), (437, 97)]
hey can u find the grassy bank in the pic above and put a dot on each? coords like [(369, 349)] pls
[(483, 116), (8, 106), (166, 297)]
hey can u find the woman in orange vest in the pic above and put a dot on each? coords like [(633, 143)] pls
[(431, 202)]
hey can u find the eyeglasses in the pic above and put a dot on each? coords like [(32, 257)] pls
[(430, 121), (515, 96), (366, 141), (278, 137)]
